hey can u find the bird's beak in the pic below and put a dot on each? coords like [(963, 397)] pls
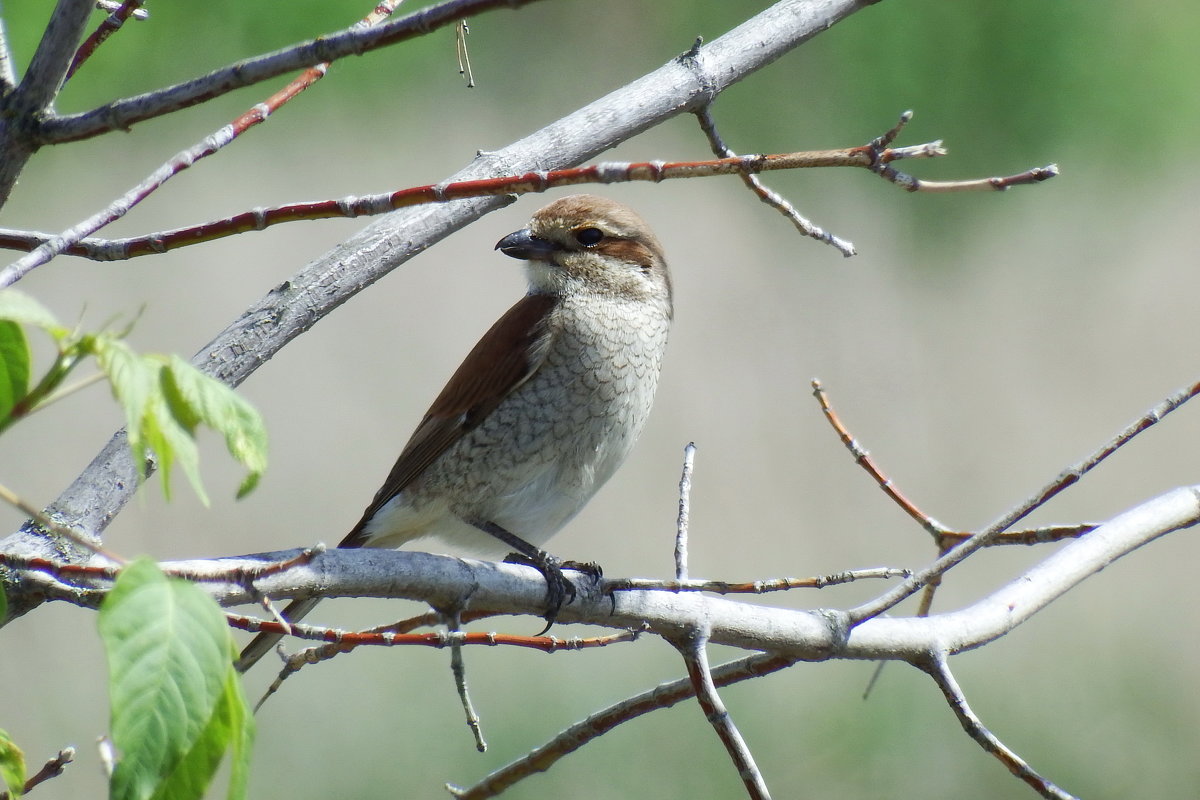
[(523, 244)]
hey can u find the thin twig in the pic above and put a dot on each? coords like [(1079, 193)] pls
[(458, 669), (937, 668), (864, 460), (397, 634), (8, 74), (943, 537), (67, 391), (118, 13), (122, 114), (865, 156), (695, 656), (889, 173), (72, 535), (770, 196), (51, 769), (685, 512), (985, 537), (584, 732), (754, 587), (461, 32)]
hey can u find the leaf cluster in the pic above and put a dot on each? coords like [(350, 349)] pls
[(165, 399)]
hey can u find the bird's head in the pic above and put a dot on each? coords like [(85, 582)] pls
[(585, 243)]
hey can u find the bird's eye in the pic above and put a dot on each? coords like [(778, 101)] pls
[(589, 237)]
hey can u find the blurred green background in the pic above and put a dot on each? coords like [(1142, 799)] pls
[(977, 345)]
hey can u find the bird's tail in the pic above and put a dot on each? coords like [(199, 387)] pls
[(263, 643)]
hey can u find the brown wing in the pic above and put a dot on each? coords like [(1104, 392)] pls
[(502, 360)]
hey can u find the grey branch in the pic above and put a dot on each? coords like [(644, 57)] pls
[(355, 40), (444, 582)]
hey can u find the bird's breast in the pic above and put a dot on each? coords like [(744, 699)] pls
[(542, 453)]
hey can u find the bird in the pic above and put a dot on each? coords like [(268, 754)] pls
[(543, 410)]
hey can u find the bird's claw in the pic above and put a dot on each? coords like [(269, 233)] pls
[(559, 589)]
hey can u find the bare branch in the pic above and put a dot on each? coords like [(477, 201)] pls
[(685, 513), (695, 656), (441, 581), (72, 241), (34, 95), (123, 114), (760, 586), (769, 196), (111, 24), (605, 720), (989, 534), (181, 161), (937, 668)]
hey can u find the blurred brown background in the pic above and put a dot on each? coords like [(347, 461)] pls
[(977, 345)]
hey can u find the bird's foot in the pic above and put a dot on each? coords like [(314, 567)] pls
[(559, 589), (589, 568)]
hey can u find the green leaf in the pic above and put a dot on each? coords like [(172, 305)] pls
[(133, 380), (241, 722), (230, 727), (170, 666), (12, 765), (14, 366), (172, 442), (19, 307), (195, 397)]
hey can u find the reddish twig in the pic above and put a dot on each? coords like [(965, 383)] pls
[(943, 537), (57, 568), (864, 460), (344, 641), (111, 24), (397, 634), (51, 769), (867, 156)]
